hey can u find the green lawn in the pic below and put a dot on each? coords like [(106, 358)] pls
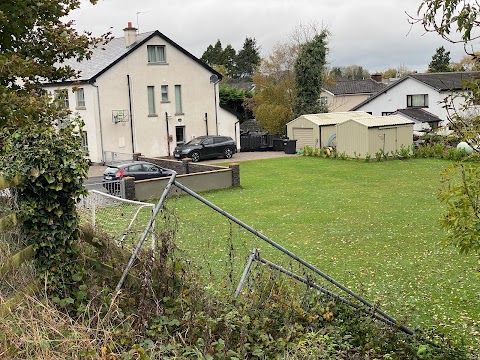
[(372, 226)]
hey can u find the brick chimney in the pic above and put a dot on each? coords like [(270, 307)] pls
[(376, 77), (130, 34)]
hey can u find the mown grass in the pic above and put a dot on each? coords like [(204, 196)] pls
[(372, 226)]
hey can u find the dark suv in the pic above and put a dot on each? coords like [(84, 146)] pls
[(206, 147)]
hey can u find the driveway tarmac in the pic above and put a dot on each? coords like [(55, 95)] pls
[(96, 171)]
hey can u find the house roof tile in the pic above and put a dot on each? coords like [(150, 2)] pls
[(439, 81), (104, 57), (419, 115), (351, 87)]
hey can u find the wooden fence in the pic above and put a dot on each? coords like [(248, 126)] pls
[(7, 222)]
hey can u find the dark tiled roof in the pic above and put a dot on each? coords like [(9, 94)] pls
[(438, 81), (446, 81), (351, 87), (419, 115), (104, 57), (239, 84)]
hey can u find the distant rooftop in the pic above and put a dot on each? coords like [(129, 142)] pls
[(449, 81), (352, 87)]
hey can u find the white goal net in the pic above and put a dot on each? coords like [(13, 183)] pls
[(122, 220)]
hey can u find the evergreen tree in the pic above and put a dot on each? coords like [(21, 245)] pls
[(308, 69), (247, 58), (214, 54), (440, 61)]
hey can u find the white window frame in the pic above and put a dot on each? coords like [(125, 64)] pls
[(178, 100), (80, 98), (164, 93), (151, 100), (61, 95), (156, 54), (85, 142)]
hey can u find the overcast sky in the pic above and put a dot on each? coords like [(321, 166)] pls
[(374, 34)]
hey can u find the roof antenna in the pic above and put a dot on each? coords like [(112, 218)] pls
[(140, 12)]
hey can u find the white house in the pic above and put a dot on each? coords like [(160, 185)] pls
[(144, 93), (418, 91)]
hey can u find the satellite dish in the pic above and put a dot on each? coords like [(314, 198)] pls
[(213, 78)]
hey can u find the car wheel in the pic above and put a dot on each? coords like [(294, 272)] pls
[(195, 156), (228, 153)]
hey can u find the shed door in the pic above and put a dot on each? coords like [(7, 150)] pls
[(304, 137)]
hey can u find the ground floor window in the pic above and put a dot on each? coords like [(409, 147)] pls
[(84, 142)]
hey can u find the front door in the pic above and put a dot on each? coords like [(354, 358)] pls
[(180, 135)]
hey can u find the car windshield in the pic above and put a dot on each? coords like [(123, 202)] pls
[(196, 141)]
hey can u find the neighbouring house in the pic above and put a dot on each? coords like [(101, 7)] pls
[(344, 94), (144, 93), (319, 130), (362, 137), (418, 91)]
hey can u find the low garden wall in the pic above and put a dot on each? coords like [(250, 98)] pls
[(196, 177)]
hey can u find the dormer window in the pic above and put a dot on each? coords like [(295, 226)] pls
[(420, 100), (156, 54)]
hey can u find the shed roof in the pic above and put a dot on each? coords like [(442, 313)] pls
[(380, 121), (333, 118)]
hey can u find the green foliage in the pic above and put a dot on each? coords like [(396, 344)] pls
[(308, 70), (36, 140), (52, 163), (248, 58), (449, 18), (440, 61), (461, 198), (34, 40), (237, 65), (272, 103), (234, 98), (352, 72)]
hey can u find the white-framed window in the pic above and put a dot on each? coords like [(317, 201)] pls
[(418, 100), (80, 98), (178, 99), (156, 54), (84, 142), (151, 100), (164, 93), (61, 96), (323, 100)]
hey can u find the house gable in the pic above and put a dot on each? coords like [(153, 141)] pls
[(107, 56)]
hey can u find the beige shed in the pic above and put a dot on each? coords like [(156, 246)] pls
[(358, 137), (319, 130)]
